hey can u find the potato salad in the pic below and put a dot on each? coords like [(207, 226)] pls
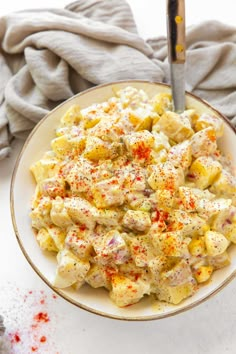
[(135, 198)]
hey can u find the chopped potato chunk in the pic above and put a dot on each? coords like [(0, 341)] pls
[(204, 171), (72, 116), (126, 292), (206, 120), (44, 169), (171, 244), (97, 149), (139, 144), (216, 243), (175, 294), (180, 274), (141, 250), (203, 143), (197, 247), (141, 118), (225, 222), (108, 193), (180, 155), (137, 220), (45, 241), (52, 187), (81, 211), (224, 185), (96, 277), (59, 215), (176, 127), (70, 269), (79, 176), (162, 102), (65, 145), (78, 242), (219, 261), (111, 248), (203, 273), (166, 176)]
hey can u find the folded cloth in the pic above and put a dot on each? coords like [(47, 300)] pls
[(48, 55)]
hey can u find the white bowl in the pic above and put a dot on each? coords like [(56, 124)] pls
[(23, 185)]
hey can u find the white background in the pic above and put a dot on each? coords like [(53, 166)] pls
[(209, 328)]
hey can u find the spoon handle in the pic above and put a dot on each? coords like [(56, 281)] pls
[(2, 328), (176, 51)]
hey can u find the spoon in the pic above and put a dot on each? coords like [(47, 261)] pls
[(176, 51), (2, 328)]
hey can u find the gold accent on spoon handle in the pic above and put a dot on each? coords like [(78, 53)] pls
[(176, 31)]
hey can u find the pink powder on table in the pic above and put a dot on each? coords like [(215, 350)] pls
[(29, 320)]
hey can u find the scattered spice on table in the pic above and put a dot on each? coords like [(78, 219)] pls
[(29, 321)]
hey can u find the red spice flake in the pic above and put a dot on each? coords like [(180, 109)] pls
[(160, 216), (129, 286), (227, 221), (82, 228), (127, 163), (42, 301), (217, 153), (169, 183), (175, 226), (192, 203), (136, 248), (127, 305), (156, 217), (34, 349), (169, 250), (120, 131), (165, 215), (136, 276), (142, 151), (211, 135), (114, 181), (110, 271), (43, 339), (15, 338), (138, 178), (191, 175), (41, 317)]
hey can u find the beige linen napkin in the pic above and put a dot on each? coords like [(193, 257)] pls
[(48, 55)]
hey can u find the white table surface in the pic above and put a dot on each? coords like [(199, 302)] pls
[(209, 328)]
